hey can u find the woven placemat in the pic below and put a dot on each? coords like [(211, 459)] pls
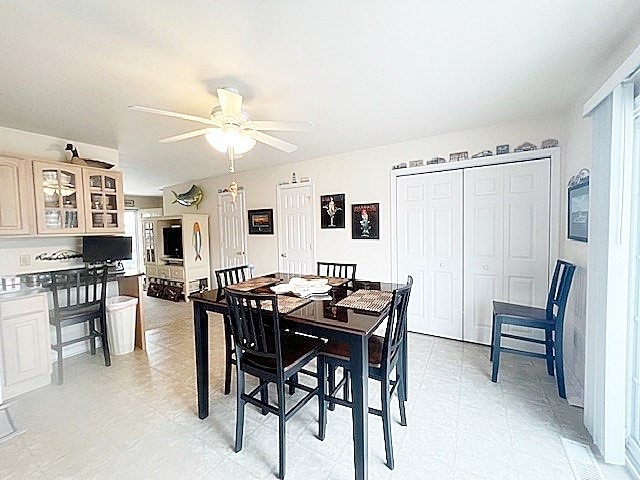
[(333, 281), (286, 304), (370, 300), (254, 283)]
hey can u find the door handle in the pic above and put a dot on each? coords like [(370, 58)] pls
[(239, 253), (283, 254), (442, 265), (485, 267)]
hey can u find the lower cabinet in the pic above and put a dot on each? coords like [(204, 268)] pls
[(25, 347)]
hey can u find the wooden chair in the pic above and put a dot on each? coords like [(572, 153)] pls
[(79, 297), (384, 355), (224, 278), (271, 355), (550, 319)]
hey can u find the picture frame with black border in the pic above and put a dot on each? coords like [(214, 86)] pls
[(332, 211), (261, 221), (365, 221), (578, 211)]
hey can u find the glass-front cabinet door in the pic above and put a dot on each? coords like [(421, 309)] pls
[(58, 193), (104, 201)]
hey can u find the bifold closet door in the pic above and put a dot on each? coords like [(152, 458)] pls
[(429, 234), (506, 241)]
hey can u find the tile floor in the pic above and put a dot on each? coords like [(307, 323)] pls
[(137, 419)]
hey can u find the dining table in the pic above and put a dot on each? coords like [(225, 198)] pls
[(321, 316)]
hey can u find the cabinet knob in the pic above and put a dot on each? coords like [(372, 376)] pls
[(485, 267), (441, 265)]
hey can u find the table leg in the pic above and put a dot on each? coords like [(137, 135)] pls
[(201, 328), (360, 397)]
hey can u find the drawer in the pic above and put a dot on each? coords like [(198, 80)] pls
[(151, 270), (164, 272), (177, 273), (22, 305)]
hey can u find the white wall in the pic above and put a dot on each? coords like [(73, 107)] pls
[(364, 177)]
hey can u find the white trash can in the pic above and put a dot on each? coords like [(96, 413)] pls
[(121, 324)]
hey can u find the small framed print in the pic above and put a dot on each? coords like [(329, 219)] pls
[(332, 211), (502, 149), (365, 221), (457, 156), (261, 222), (578, 211)]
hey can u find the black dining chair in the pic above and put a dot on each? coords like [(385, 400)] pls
[(550, 319), (272, 355), (385, 353), (79, 296), (340, 270), (224, 278)]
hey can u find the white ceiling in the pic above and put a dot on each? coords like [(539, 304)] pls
[(366, 72)]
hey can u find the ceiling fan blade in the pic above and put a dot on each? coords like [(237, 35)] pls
[(230, 102), (271, 141), (282, 126), (184, 116), (184, 136)]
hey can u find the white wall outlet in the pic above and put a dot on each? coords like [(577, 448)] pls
[(25, 260)]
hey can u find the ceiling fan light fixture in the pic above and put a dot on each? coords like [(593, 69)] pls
[(223, 138)]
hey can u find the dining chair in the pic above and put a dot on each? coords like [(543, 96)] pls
[(224, 278), (272, 355), (385, 353), (79, 296), (550, 319), (340, 270)]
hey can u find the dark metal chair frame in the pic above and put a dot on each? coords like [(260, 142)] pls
[(550, 319), (340, 270), (391, 354), (225, 277), (273, 356), (79, 296)]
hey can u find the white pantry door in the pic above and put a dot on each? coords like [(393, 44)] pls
[(232, 218), (506, 241), (295, 229), (429, 244)]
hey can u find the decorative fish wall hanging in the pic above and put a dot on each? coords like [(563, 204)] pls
[(191, 197), (197, 241)]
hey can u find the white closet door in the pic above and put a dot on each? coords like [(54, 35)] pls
[(430, 250), (483, 248), (506, 242)]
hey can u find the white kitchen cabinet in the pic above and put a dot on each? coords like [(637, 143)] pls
[(25, 359), (16, 197)]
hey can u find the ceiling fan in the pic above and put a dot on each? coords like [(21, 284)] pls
[(229, 128)]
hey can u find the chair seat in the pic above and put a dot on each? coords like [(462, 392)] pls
[(524, 315), (75, 313), (297, 351), (342, 351)]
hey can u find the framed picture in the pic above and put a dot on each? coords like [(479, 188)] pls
[(457, 156), (578, 211), (261, 222), (365, 221), (332, 211), (502, 149)]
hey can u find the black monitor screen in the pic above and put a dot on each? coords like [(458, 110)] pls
[(172, 237), (105, 248)]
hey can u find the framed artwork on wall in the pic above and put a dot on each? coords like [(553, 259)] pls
[(332, 211), (261, 221), (578, 211), (365, 221)]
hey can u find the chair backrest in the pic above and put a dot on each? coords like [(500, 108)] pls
[(231, 275), (256, 328), (339, 270), (559, 291), (79, 287), (396, 322)]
